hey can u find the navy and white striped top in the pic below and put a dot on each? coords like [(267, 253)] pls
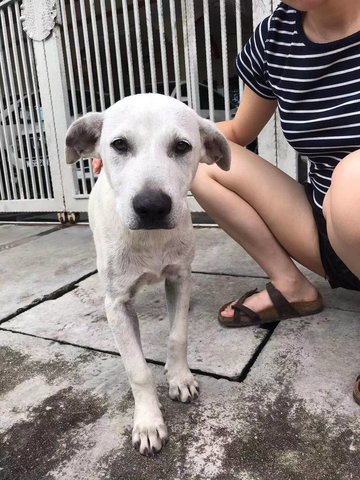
[(317, 87)]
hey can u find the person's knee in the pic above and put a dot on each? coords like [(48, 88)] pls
[(347, 171), (342, 200), (204, 174)]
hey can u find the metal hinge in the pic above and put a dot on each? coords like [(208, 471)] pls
[(68, 217)]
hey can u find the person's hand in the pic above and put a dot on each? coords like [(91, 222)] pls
[(96, 165)]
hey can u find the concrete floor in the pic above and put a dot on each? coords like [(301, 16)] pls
[(275, 404)]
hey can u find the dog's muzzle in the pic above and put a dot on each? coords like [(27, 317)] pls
[(152, 208)]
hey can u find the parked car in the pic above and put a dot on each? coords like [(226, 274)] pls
[(38, 115), (30, 147)]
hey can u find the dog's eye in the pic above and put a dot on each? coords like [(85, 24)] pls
[(182, 147), (121, 145)]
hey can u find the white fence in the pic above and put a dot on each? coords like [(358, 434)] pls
[(62, 58)]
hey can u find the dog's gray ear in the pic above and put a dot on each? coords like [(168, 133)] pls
[(215, 146), (83, 136)]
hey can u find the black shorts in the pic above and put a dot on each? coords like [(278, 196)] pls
[(337, 273)]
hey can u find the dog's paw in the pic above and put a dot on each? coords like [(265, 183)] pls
[(149, 437), (183, 387)]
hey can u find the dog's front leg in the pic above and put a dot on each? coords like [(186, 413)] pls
[(182, 385), (149, 432)]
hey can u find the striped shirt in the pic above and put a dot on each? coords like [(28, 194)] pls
[(317, 87)]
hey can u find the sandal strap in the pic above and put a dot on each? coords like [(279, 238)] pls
[(282, 306), (239, 308)]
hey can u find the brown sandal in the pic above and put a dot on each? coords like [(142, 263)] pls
[(281, 310), (356, 391)]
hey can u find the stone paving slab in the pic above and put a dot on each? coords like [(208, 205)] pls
[(78, 317), (319, 357), (217, 253), (66, 413), (14, 233), (42, 266)]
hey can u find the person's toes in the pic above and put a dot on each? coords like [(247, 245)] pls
[(227, 312)]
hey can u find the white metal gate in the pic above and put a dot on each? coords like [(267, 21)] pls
[(29, 181), (96, 52)]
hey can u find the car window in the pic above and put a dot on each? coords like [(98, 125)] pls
[(184, 90), (160, 88), (88, 106), (219, 102), (204, 98)]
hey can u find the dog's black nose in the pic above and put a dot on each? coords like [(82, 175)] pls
[(152, 205)]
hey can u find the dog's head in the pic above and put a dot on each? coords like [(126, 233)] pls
[(150, 146)]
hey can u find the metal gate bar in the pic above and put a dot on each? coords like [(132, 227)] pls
[(165, 76), (87, 54), (118, 55), (239, 37), (25, 171), (224, 58), (174, 37), (80, 78), (130, 63), (209, 70), (150, 38), (107, 52), (139, 49)]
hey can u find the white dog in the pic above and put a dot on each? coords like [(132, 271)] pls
[(150, 146)]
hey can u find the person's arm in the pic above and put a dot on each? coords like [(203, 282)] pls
[(252, 115)]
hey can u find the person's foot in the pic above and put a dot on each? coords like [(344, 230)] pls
[(292, 291)]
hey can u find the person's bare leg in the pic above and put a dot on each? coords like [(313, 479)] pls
[(268, 214), (342, 217), (341, 210)]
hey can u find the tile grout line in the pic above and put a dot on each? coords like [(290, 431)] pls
[(224, 274), (236, 379), (112, 352), (72, 285), (30, 238), (246, 370), (49, 296)]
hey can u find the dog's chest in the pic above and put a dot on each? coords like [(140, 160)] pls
[(153, 269), (155, 261), (162, 259)]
